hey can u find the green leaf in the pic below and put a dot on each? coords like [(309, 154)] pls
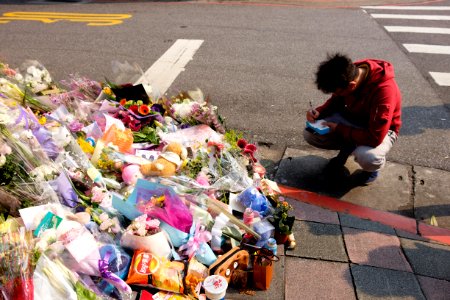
[(83, 293)]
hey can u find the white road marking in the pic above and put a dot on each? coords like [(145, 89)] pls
[(441, 78), (417, 29), (165, 70), (407, 7), (411, 17), (422, 48)]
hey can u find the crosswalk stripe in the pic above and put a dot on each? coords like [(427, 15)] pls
[(411, 17), (417, 29), (441, 78), (407, 7), (422, 48), (165, 70)]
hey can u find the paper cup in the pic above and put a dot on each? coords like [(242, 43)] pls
[(215, 287)]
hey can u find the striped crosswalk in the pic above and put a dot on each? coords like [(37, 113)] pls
[(420, 30)]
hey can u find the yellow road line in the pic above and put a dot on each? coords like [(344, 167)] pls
[(52, 17)]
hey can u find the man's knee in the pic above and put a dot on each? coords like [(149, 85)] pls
[(368, 159)]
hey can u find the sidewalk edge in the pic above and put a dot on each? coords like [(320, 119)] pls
[(441, 235)]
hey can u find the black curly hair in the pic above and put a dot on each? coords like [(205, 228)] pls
[(335, 72)]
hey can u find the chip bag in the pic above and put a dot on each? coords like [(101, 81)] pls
[(149, 270)]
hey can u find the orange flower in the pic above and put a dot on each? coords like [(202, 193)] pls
[(144, 110), (123, 102)]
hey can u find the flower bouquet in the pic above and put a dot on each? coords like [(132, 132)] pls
[(144, 233), (16, 264)]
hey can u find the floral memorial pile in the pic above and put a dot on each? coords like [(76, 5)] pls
[(110, 192)]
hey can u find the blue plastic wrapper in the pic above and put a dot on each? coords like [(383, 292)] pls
[(251, 197)]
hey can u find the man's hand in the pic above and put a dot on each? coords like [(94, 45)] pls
[(312, 115), (331, 125)]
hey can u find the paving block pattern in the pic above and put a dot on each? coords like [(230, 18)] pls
[(355, 222), (428, 259), (434, 288), (307, 212), (315, 279), (320, 241), (375, 249), (377, 283)]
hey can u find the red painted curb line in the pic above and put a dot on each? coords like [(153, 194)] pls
[(395, 221)]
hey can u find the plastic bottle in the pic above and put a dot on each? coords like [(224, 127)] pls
[(249, 216), (272, 245)]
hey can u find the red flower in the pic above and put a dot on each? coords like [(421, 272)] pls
[(123, 101), (217, 145), (241, 143), (134, 109), (144, 110), (135, 125), (249, 148)]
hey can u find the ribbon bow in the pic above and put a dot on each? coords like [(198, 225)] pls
[(196, 239), (103, 266)]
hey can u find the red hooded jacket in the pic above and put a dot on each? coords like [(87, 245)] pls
[(375, 106)]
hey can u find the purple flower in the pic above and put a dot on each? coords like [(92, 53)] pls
[(44, 138), (66, 192), (158, 108), (76, 126)]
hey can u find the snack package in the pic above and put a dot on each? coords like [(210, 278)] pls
[(157, 272), (196, 274)]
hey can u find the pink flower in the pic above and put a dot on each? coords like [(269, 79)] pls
[(152, 224), (98, 194), (75, 126)]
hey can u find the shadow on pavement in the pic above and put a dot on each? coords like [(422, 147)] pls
[(309, 173), (416, 119)]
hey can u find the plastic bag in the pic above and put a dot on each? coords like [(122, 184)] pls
[(232, 175), (54, 279), (254, 199), (161, 202), (16, 271)]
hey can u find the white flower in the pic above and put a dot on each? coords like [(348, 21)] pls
[(4, 148), (61, 136), (2, 160), (18, 77), (44, 173), (183, 110)]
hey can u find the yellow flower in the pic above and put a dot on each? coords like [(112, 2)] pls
[(107, 90), (85, 146), (42, 120)]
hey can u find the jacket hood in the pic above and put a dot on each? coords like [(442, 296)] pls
[(380, 70)]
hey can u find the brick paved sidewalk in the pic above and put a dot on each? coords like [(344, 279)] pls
[(340, 256)]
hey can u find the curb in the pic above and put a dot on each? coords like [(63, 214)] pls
[(441, 235)]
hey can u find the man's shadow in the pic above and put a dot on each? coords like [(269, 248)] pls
[(310, 173)]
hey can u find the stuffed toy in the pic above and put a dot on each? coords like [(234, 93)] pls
[(130, 174), (168, 162)]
